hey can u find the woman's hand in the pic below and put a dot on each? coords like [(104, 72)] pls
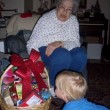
[(51, 47)]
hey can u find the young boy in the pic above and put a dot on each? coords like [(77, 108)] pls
[(72, 87)]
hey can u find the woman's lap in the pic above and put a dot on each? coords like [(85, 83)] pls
[(62, 59)]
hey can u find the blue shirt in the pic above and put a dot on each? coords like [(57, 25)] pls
[(83, 104)]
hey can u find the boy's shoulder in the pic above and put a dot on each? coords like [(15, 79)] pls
[(83, 104)]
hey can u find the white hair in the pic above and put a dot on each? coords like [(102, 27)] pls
[(75, 4)]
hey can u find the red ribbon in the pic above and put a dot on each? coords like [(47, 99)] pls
[(25, 15), (25, 68)]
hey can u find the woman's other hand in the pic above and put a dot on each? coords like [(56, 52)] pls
[(51, 47)]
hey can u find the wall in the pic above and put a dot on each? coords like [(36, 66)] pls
[(36, 4), (28, 5), (13, 4), (20, 5), (104, 5)]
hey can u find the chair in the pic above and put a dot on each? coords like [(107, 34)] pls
[(18, 30)]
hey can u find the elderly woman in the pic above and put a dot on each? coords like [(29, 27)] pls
[(56, 36)]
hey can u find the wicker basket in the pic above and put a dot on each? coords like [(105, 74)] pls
[(43, 106)]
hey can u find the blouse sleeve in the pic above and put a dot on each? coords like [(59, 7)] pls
[(35, 35), (76, 24), (74, 31)]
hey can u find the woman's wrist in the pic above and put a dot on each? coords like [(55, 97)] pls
[(60, 43)]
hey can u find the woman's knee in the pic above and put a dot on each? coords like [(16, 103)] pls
[(61, 54), (79, 55), (79, 59), (79, 52)]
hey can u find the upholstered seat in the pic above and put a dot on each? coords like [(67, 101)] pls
[(18, 30), (23, 21)]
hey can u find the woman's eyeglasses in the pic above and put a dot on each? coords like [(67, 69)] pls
[(62, 8)]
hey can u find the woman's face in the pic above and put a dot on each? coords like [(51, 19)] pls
[(64, 10)]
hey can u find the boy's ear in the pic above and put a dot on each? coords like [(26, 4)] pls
[(64, 97)]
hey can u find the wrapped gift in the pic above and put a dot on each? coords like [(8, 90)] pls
[(26, 68), (7, 96), (32, 100), (26, 79)]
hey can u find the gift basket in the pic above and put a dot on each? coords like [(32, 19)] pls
[(25, 85)]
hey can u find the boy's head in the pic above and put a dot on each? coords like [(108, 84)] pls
[(70, 86)]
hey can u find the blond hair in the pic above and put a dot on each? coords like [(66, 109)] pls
[(72, 84)]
